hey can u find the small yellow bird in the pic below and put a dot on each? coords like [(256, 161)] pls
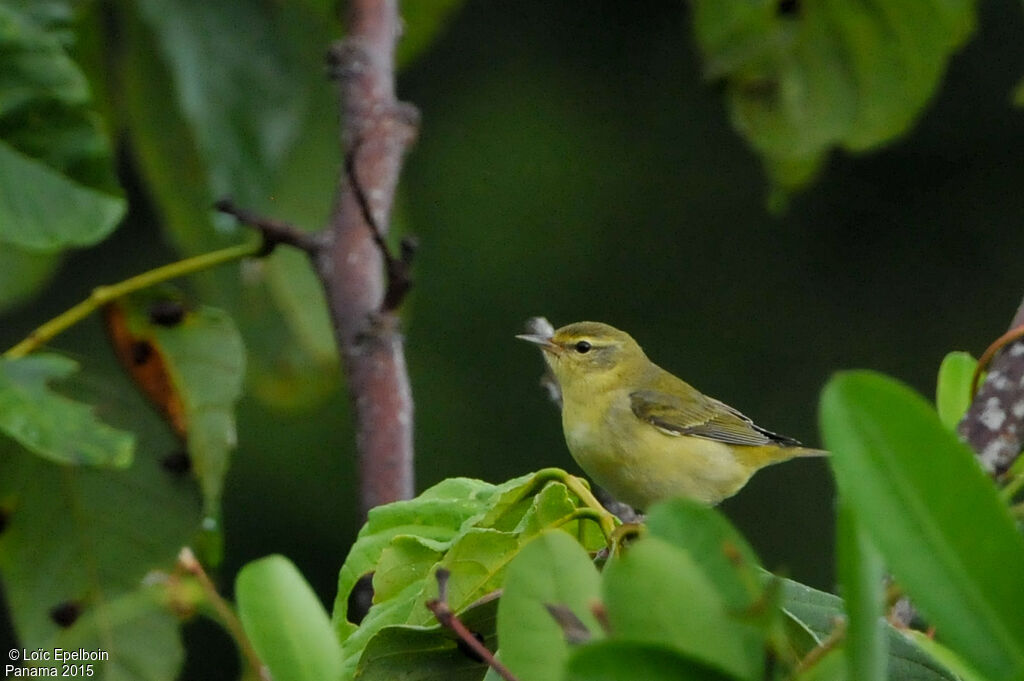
[(644, 434)]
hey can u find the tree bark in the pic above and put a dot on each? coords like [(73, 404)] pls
[(376, 130)]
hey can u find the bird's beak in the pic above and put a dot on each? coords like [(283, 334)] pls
[(544, 342)]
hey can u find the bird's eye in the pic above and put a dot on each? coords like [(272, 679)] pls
[(583, 347)]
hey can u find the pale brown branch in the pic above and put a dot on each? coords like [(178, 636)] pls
[(376, 131)]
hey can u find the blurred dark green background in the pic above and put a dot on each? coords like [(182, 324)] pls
[(573, 163)]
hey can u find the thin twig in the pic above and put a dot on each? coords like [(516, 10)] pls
[(188, 561), (573, 628), (398, 269), (101, 295), (274, 232), (449, 620), (818, 652)]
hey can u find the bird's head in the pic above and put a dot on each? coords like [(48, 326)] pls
[(589, 354)]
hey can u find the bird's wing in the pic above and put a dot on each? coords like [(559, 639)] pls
[(701, 417)]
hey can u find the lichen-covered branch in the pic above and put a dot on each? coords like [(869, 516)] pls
[(994, 424), (376, 131)]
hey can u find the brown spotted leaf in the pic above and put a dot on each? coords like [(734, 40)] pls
[(190, 363), (81, 546)]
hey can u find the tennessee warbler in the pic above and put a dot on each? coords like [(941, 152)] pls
[(644, 434)]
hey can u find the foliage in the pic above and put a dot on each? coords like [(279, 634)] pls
[(86, 550), (689, 593), (50, 424), (689, 597), (288, 627), (94, 500), (468, 527), (803, 77), (190, 364), (57, 187), (910, 480)]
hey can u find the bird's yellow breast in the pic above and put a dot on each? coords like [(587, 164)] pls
[(640, 464)]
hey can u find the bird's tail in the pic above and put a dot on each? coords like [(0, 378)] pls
[(808, 451)]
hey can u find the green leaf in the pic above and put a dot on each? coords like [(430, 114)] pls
[(946, 656), (51, 425), (553, 569), (191, 363), (805, 77), (415, 653), (470, 528), (206, 360), (953, 389), (145, 630), (714, 545), (187, 162), (1017, 94), (861, 575), (614, 660), (656, 594), (288, 627), (406, 559), (476, 560), (833, 666), (73, 540), (57, 186), (818, 612), (910, 481), (44, 211), (436, 514), (243, 98)]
